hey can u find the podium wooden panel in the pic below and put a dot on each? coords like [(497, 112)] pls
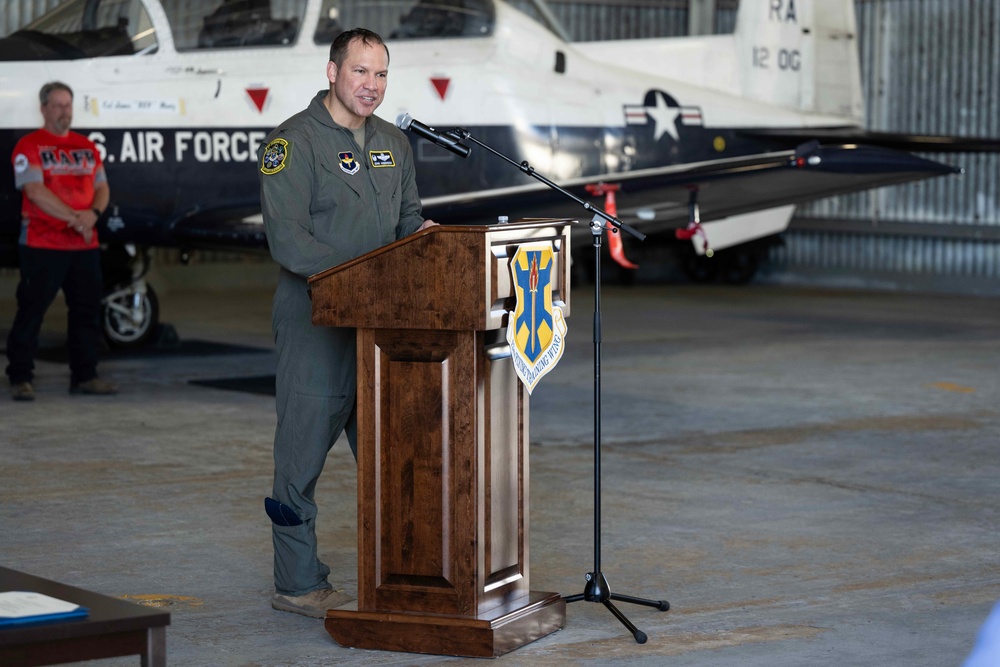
[(443, 558)]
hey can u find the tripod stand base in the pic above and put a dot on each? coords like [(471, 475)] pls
[(597, 590)]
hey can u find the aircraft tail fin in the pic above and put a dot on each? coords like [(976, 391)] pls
[(802, 55)]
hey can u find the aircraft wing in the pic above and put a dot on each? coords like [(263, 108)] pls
[(921, 143), (650, 199), (231, 229), (722, 188)]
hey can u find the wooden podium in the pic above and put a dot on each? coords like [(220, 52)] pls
[(442, 442)]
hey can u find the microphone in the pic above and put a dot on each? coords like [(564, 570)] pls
[(405, 121)]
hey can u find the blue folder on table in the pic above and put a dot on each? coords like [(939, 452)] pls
[(24, 608)]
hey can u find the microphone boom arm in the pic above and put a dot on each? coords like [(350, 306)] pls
[(526, 168)]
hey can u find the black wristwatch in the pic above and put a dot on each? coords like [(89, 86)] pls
[(97, 211)]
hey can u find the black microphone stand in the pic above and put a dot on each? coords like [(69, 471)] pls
[(596, 588)]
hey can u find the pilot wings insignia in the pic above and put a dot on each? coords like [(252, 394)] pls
[(536, 330)]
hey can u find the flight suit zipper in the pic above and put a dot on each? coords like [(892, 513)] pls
[(373, 202)]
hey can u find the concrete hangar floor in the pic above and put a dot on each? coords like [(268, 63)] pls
[(809, 476)]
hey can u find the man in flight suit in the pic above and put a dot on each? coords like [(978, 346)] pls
[(336, 182)]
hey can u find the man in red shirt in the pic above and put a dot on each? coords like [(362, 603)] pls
[(65, 191)]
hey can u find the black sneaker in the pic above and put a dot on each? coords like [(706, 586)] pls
[(97, 387), (22, 391)]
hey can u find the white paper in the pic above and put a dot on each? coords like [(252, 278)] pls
[(22, 604)]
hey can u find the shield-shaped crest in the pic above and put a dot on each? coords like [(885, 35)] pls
[(536, 329), (347, 163)]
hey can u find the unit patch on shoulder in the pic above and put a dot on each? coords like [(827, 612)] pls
[(347, 163), (275, 156), (381, 159)]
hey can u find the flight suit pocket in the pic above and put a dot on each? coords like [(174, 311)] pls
[(334, 182), (390, 192)]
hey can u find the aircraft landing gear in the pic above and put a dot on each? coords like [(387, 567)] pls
[(698, 268), (130, 308), (130, 315), (740, 266), (733, 266)]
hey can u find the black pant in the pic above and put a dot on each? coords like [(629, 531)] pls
[(43, 274)]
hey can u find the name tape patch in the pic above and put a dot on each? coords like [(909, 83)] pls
[(381, 159)]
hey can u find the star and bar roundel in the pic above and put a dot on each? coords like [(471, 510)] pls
[(536, 330)]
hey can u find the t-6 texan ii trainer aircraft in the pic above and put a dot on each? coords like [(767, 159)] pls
[(729, 130)]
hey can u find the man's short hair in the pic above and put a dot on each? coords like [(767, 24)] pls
[(43, 94), (338, 50)]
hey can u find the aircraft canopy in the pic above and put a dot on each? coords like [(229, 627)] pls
[(78, 29)]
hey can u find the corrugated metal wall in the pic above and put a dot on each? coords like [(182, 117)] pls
[(931, 67), (592, 21), (928, 66), (16, 13)]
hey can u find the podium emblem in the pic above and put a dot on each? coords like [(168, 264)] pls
[(536, 330)]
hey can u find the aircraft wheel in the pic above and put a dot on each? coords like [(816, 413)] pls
[(130, 317), (740, 268), (699, 268)]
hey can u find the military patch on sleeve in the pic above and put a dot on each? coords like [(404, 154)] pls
[(275, 156), (381, 159)]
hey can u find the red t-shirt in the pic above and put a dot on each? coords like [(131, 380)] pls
[(70, 167)]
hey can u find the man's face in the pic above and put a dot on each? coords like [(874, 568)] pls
[(58, 112), (358, 84)]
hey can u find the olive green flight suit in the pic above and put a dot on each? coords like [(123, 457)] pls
[(325, 201)]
